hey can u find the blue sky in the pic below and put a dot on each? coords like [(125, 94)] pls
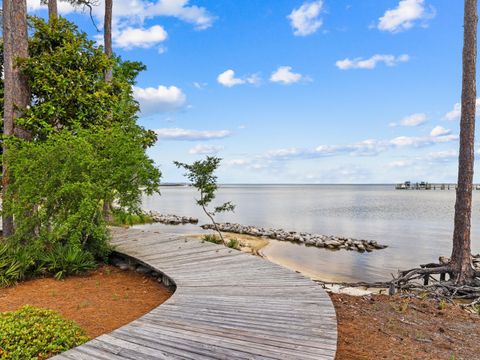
[(287, 91)]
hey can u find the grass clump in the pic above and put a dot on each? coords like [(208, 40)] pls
[(212, 238), (122, 217), (20, 262), (33, 333), (233, 243)]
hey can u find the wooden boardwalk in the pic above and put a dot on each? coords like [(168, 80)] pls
[(227, 305)]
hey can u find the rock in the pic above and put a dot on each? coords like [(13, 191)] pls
[(318, 240), (123, 266), (142, 269), (172, 219), (332, 243)]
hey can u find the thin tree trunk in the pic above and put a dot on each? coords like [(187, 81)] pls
[(107, 38), (52, 10), (17, 94), (21, 97), (461, 261), (108, 35)]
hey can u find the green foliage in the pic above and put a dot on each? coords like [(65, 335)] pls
[(212, 238), (122, 217), (32, 333), (201, 176), (86, 149), (15, 262), (65, 260), (233, 244), (18, 262), (60, 184), (65, 72)]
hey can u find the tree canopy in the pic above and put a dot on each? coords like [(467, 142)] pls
[(85, 147)]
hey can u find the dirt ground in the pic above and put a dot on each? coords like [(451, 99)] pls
[(382, 327), (99, 302), (370, 327)]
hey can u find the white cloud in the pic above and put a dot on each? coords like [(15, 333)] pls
[(404, 16), (455, 113), (63, 7), (370, 147), (229, 79), (181, 9), (414, 120), (131, 14), (285, 75), (160, 99), (399, 164), (204, 149), (440, 131), (200, 86), (413, 141), (136, 11), (130, 38), (237, 162), (191, 135), (254, 79), (441, 156), (371, 63), (306, 19)]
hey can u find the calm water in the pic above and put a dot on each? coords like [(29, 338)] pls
[(417, 225)]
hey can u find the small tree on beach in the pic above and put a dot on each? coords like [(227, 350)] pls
[(201, 176)]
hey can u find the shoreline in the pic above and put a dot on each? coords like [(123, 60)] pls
[(254, 245)]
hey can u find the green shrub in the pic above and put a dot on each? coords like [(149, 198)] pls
[(32, 333), (20, 262), (66, 260), (233, 244), (15, 263), (212, 238)]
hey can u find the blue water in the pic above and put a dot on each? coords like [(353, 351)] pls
[(417, 225)]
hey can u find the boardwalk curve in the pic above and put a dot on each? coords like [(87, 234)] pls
[(227, 305)]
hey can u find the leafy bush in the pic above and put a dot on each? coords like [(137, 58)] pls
[(32, 333), (212, 238)]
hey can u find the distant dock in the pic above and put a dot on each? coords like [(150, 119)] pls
[(407, 185)]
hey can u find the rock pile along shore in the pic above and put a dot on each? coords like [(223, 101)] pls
[(172, 219), (320, 241)]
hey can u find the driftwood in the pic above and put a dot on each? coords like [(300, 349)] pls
[(429, 281)]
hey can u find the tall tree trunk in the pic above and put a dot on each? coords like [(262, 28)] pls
[(461, 261), (52, 10), (107, 37), (17, 94), (7, 221)]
